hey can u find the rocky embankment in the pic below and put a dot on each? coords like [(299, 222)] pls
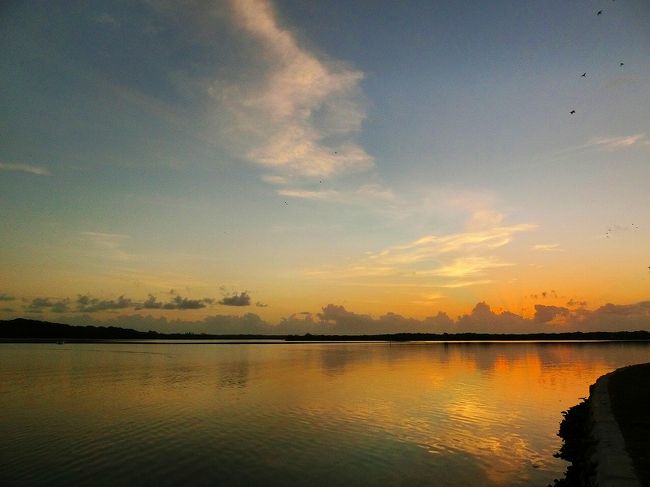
[(592, 438)]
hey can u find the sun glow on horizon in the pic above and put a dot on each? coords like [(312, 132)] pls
[(243, 163)]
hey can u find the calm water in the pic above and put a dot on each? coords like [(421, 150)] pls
[(318, 414)]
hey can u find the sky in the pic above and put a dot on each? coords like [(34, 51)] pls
[(248, 165)]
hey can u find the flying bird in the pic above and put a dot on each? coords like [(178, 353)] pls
[(600, 12), (621, 64), (584, 75), (572, 112)]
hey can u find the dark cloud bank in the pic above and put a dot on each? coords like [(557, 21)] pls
[(242, 299), (334, 319), (85, 303)]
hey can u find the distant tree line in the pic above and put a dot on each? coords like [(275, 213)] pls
[(24, 329), (482, 337)]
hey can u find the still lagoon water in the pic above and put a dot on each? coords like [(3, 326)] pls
[(483, 414)]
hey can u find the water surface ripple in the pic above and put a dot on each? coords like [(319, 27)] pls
[(286, 414)]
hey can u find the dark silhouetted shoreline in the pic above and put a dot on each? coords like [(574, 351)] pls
[(481, 337), (606, 437), (26, 330), (21, 329)]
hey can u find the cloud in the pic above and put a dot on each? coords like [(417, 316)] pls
[(641, 309), (110, 244), (248, 323), (615, 143), (459, 284), (301, 114), (85, 303), (602, 143), (60, 307), (370, 193), (482, 319), (38, 304), (427, 299), (242, 299), (545, 294), (88, 304), (28, 168), (184, 303), (274, 179), (375, 191), (332, 319), (431, 246), (152, 303), (547, 248), (336, 319), (609, 317), (177, 302), (310, 195), (467, 266), (452, 256), (546, 314), (6, 297)]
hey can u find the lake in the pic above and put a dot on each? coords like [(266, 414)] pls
[(483, 414)]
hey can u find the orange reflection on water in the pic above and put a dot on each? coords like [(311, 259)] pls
[(448, 414)]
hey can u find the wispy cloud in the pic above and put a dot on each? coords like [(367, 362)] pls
[(329, 195), (358, 270), (615, 143), (274, 179), (445, 260), (366, 194), (28, 168), (302, 113), (467, 266), (547, 248), (428, 299), (432, 246), (109, 243), (460, 284), (609, 144)]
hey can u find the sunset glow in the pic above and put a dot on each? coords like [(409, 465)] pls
[(263, 166)]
